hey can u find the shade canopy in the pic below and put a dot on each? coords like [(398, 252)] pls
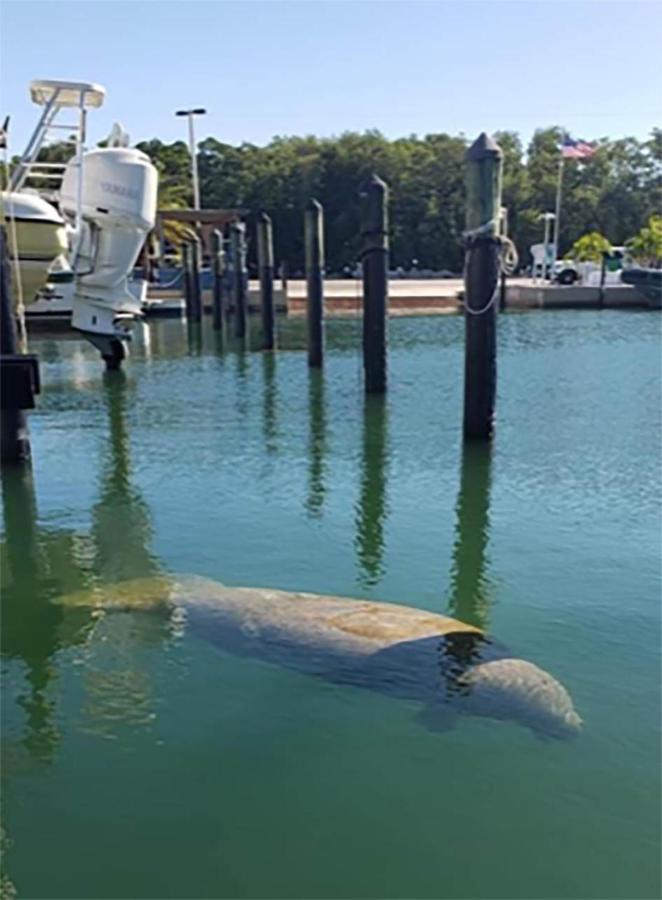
[(69, 93)]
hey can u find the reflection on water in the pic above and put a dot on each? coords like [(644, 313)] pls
[(37, 563), (115, 689), (269, 402), (469, 600), (372, 505), (30, 624), (194, 338), (246, 749), (121, 529), (316, 442), (42, 563)]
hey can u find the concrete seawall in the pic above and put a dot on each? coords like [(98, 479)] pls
[(343, 297), (530, 296)]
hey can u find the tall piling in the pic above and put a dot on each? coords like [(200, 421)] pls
[(19, 373), (483, 185), (187, 279), (373, 210), (265, 263), (218, 269), (196, 293), (283, 278), (239, 277), (314, 246)]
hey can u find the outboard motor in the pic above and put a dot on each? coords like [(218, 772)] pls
[(107, 198), (118, 210)]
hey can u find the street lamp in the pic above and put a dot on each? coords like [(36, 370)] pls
[(194, 158)]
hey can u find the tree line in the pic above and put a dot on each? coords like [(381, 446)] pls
[(614, 193)]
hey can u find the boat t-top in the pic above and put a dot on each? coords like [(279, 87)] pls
[(79, 226)]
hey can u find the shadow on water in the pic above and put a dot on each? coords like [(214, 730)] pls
[(316, 442), (469, 594), (372, 506)]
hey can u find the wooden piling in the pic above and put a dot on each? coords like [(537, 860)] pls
[(314, 246), (19, 374), (603, 278), (239, 277), (218, 268), (265, 262), (374, 256), (196, 294), (283, 278), (187, 279), (483, 184)]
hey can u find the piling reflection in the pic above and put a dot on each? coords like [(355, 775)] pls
[(121, 527), (372, 505), (34, 560), (269, 402), (316, 442), (194, 338), (117, 690), (41, 563), (469, 599)]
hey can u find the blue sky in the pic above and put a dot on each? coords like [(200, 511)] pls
[(317, 67)]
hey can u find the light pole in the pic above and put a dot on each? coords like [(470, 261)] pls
[(194, 158)]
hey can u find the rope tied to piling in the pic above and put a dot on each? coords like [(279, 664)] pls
[(507, 258)]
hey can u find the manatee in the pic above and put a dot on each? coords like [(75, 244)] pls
[(398, 650)]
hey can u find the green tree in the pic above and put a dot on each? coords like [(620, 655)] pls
[(646, 247), (589, 247)]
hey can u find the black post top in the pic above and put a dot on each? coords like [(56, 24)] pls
[(484, 147), (264, 217), (314, 205)]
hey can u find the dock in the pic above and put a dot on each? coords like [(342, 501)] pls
[(415, 297)]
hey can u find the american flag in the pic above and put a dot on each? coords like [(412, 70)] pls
[(571, 149)]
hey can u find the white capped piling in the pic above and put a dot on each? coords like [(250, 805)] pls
[(314, 247), (373, 210), (482, 267)]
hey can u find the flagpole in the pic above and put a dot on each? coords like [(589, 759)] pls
[(557, 210)]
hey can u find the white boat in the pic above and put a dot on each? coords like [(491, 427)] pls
[(36, 237), (105, 198)]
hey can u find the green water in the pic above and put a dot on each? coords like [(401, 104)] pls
[(142, 763)]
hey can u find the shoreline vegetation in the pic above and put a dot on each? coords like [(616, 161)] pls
[(615, 193)]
